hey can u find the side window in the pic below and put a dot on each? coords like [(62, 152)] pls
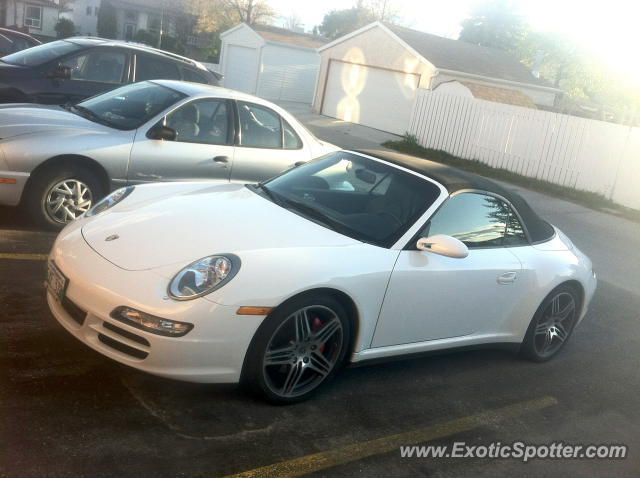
[(260, 127), (152, 68), (291, 138), (190, 75), (102, 65), (478, 220), (203, 121)]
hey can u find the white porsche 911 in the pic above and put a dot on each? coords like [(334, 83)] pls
[(351, 257)]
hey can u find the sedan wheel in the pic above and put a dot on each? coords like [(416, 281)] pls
[(552, 325), (299, 349), (57, 196), (67, 200)]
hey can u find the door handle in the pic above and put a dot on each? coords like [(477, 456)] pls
[(507, 278), (222, 161), (298, 163)]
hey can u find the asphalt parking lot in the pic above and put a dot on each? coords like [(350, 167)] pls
[(67, 411)]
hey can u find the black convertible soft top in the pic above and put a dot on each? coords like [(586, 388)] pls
[(455, 180)]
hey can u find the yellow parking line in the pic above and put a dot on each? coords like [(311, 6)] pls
[(357, 451), (24, 257)]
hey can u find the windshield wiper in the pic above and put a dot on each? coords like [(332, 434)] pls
[(87, 113), (270, 194), (320, 217)]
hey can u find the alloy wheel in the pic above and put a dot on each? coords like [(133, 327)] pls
[(555, 324), (303, 351), (67, 200)]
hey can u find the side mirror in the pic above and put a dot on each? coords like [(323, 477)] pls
[(162, 133), (61, 72), (444, 245)]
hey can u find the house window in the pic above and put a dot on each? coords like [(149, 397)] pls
[(96, 10), (88, 10), (33, 16), (192, 40)]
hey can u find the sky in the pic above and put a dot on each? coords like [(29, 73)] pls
[(610, 30)]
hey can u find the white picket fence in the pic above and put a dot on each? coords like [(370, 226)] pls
[(576, 152)]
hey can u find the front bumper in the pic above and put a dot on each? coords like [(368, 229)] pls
[(213, 352)]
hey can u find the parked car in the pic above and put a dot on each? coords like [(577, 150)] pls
[(59, 161), (348, 258), (68, 71), (12, 41)]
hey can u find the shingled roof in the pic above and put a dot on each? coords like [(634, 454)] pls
[(464, 57), (283, 35)]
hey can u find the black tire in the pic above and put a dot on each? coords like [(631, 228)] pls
[(548, 332), (303, 362), (43, 183)]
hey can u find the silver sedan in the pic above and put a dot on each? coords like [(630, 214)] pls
[(58, 161)]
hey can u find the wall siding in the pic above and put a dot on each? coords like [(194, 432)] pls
[(575, 152)]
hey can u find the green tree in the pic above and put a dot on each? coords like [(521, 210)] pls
[(107, 24), (65, 28), (494, 24), (337, 23)]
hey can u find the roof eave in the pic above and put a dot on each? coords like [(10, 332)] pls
[(491, 79)]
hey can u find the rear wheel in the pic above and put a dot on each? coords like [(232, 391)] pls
[(58, 196), (298, 349), (552, 324)]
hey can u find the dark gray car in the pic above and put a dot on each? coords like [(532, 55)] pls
[(68, 71)]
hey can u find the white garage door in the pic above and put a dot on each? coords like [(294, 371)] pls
[(374, 97), (241, 68), (288, 74)]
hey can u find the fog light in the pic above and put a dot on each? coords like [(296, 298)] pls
[(151, 323)]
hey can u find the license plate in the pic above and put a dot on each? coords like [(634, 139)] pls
[(56, 281)]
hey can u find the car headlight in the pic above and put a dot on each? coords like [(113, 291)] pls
[(109, 201), (203, 276)]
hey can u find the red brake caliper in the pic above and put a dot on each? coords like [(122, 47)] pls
[(316, 323)]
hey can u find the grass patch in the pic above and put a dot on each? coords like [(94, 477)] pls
[(410, 145)]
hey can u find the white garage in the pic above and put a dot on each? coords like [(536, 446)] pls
[(371, 76), (270, 62), (376, 97)]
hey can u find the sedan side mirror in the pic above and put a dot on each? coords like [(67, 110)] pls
[(163, 133), (61, 72), (444, 245)]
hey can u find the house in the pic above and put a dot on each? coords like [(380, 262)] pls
[(371, 75), (84, 15), (36, 17), (270, 62), (133, 16)]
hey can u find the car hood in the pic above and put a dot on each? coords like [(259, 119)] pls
[(159, 225), (19, 119)]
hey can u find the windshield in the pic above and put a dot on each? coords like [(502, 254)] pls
[(38, 55), (128, 107), (359, 197)]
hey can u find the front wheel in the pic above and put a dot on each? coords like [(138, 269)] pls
[(298, 349), (58, 196), (552, 324)]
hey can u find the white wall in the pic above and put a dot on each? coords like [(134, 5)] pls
[(583, 154), (375, 48), (246, 38), (85, 24), (288, 73), (15, 16)]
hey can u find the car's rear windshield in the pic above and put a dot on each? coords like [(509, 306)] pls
[(128, 107), (368, 200), (41, 54)]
